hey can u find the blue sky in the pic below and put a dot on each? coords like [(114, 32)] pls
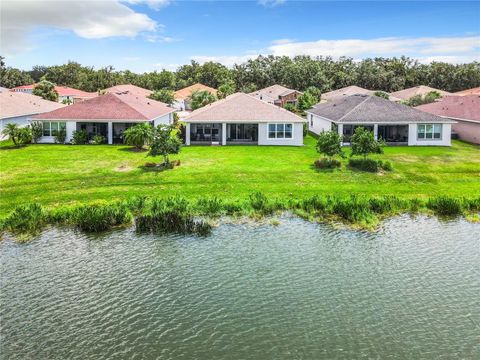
[(145, 35)]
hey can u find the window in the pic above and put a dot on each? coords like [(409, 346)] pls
[(50, 128), (429, 131), (280, 131)]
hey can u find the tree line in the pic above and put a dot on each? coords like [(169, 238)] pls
[(300, 72)]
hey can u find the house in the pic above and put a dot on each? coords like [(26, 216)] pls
[(243, 119), (395, 123), (421, 90), (181, 96), (132, 89), (107, 115), (278, 95), (65, 94), (351, 90), (465, 110), (474, 91), (17, 107)]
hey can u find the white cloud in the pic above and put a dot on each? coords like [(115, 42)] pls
[(155, 38), (153, 4), (448, 49), (88, 19), (271, 3), (380, 47)]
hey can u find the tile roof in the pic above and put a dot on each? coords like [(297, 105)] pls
[(14, 104), (474, 91), (272, 92), (184, 93), (111, 106), (352, 90), (133, 89), (371, 109), (61, 90), (457, 107), (242, 108), (422, 90)]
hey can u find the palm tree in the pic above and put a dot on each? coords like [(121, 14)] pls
[(138, 135), (11, 130)]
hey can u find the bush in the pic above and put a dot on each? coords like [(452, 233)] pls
[(138, 135), (61, 136), (24, 135), (325, 163), (445, 206), (98, 140), (28, 218), (369, 165), (80, 137), (385, 165), (37, 130), (96, 218)]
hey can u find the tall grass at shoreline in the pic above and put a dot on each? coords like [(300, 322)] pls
[(180, 215)]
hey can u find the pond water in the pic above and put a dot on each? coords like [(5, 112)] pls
[(293, 291)]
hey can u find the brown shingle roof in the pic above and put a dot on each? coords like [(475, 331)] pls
[(14, 104), (371, 109), (273, 92), (422, 90), (474, 91), (457, 107), (111, 106), (242, 108), (186, 92), (351, 90)]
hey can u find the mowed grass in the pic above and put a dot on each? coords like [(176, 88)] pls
[(55, 175)]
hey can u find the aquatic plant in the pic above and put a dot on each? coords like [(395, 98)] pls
[(445, 206), (96, 218), (25, 219)]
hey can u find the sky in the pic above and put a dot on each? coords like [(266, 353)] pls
[(147, 35)]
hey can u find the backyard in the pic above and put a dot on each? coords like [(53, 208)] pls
[(65, 174)]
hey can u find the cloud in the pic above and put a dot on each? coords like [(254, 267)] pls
[(393, 46), (155, 38), (87, 19), (425, 49), (153, 4), (271, 3)]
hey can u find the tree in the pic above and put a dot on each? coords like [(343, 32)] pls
[(417, 100), (138, 135), (164, 95), (24, 135), (11, 77), (306, 101), (363, 143), (12, 132), (315, 92), (165, 142), (46, 90), (329, 143), (382, 94), (227, 88), (37, 130), (199, 99)]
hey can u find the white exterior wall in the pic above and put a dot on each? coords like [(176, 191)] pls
[(21, 121), (165, 120), (319, 123), (179, 105), (296, 140), (444, 141)]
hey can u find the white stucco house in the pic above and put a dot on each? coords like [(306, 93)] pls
[(17, 108), (393, 122), (107, 115), (243, 119)]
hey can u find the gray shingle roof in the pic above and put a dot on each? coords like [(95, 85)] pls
[(372, 109)]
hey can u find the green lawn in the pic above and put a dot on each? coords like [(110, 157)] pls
[(62, 174)]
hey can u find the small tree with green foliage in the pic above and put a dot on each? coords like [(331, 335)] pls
[(306, 101), (138, 135), (11, 131), (382, 94), (315, 92), (164, 95), (24, 135), (80, 137), (165, 142), (61, 136), (199, 99), (363, 143), (46, 90), (227, 88), (290, 107), (329, 143), (37, 131), (417, 100)]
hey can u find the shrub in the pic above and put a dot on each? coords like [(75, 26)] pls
[(326, 163), (37, 130), (363, 143), (369, 165), (24, 135), (98, 139), (96, 218), (445, 206), (385, 165), (138, 135), (61, 136), (80, 137), (28, 218)]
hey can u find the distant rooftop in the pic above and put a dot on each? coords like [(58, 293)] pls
[(273, 92), (184, 93), (422, 90), (13, 104), (457, 107), (352, 90), (474, 91), (61, 90), (132, 89)]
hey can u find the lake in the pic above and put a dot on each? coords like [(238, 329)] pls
[(298, 290)]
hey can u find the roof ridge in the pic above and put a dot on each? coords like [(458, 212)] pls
[(367, 97)]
